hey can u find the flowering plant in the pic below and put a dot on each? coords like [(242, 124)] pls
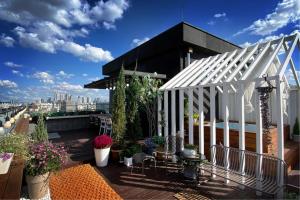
[(102, 141), (6, 156), (45, 157)]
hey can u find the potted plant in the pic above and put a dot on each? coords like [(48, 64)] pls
[(102, 146), (5, 160), (189, 150), (129, 152), (296, 131), (196, 118), (159, 142), (149, 146), (44, 158)]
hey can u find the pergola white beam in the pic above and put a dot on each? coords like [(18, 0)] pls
[(166, 113), (191, 122), (159, 131), (242, 64), (210, 69), (177, 77), (211, 76), (201, 120), (288, 57), (200, 71), (173, 113), (212, 124), (259, 143), (293, 67), (255, 62), (189, 74), (181, 113), (236, 59), (226, 130)]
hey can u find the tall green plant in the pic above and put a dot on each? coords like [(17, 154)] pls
[(149, 94), (296, 128), (118, 109), (40, 134), (133, 92)]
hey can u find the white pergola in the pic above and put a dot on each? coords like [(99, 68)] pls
[(230, 72)]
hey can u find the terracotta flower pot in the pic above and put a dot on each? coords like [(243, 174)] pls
[(115, 155), (38, 185)]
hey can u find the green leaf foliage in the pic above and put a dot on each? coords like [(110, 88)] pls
[(118, 109), (296, 129), (40, 134)]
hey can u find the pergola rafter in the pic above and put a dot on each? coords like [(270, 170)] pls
[(226, 74)]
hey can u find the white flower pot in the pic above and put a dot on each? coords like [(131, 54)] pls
[(4, 165), (128, 161), (101, 156), (189, 153)]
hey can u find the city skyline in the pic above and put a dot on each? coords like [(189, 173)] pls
[(34, 63)]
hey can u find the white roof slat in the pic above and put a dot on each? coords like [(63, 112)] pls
[(256, 61), (188, 73), (243, 62), (209, 70), (182, 73), (236, 59), (201, 70), (293, 66)]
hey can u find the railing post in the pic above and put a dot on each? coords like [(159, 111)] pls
[(166, 128), (280, 136), (259, 147), (159, 116), (213, 125), (181, 116), (226, 131), (241, 116), (191, 123)]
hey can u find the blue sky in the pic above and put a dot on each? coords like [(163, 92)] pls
[(61, 45)]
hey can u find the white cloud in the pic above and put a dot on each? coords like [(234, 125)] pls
[(211, 22), (63, 74), (6, 40), (44, 77), (16, 72), (8, 84), (138, 42), (287, 11), (218, 15), (84, 75), (12, 65), (93, 79), (268, 38), (65, 86), (52, 26)]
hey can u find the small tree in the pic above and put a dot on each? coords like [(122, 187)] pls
[(149, 94), (118, 109), (296, 128), (133, 92), (40, 134)]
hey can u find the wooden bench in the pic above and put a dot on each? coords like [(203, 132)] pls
[(265, 180)]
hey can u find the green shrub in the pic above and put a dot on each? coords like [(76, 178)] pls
[(158, 140), (190, 146), (15, 143), (296, 129), (118, 109), (40, 134)]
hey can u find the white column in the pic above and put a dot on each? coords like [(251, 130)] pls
[(280, 132), (201, 120), (259, 142), (225, 104), (159, 116), (212, 124), (191, 122), (166, 128), (241, 110), (173, 113), (181, 115)]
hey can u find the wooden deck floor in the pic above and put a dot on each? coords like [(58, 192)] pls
[(152, 185)]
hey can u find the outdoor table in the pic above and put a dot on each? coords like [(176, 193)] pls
[(191, 166)]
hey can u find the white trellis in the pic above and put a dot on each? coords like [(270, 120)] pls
[(232, 72)]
